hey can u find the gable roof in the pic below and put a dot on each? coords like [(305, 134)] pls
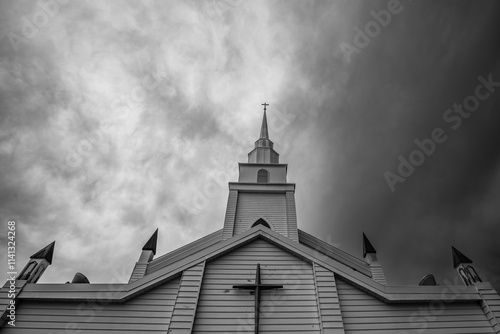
[(334, 252), (182, 252), (186, 259)]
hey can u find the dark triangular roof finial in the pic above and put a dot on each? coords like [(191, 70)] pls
[(45, 253), (459, 257), (367, 246), (151, 244)]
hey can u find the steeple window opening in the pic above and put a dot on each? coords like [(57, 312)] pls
[(262, 176)]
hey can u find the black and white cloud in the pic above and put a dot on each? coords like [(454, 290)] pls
[(119, 117)]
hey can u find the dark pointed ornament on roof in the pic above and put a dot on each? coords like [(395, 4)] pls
[(428, 280), (151, 244), (45, 253), (80, 278), (459, 257), (367, 246)]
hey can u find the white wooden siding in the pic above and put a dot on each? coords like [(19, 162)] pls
[(147, 313), (187, 300), (490, 304), (328, 301), (252, 206), (138, 272), (378, 273), (4, 296), (222, 309), (291, 214), (228, 229), (362, 313)]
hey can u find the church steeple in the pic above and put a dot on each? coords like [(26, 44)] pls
[(263, 129), (263, 152), (262, 196)]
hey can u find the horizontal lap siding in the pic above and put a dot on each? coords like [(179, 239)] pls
[(291, 216), (491, 306), (362, 313), (230, 215), (223, 309), (147, 313), (138, 272), (271, 207), (378, 273), (329, 307), (187, 300)]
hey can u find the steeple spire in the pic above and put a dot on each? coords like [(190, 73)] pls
[(263, 153), (264, 134)]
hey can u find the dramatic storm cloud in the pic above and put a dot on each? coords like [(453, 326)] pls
[(119, 117)]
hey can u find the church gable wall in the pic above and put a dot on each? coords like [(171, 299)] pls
[(363, 313), (149, 312), (224, 309)]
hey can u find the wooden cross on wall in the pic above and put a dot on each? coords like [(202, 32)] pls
[(257, 287)]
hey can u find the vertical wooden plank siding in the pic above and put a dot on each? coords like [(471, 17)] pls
[(187, 300), (363, 313), (490, 304), (328, 301), (252, 206), (232, 201), (146, 313), (291, 214), (223, 309)]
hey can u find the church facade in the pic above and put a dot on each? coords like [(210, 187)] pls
[(258, 274)]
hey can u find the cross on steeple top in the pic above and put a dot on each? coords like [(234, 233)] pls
[(265, 105), (257, 287)]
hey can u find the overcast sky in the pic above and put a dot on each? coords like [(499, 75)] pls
[(121, 117)]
